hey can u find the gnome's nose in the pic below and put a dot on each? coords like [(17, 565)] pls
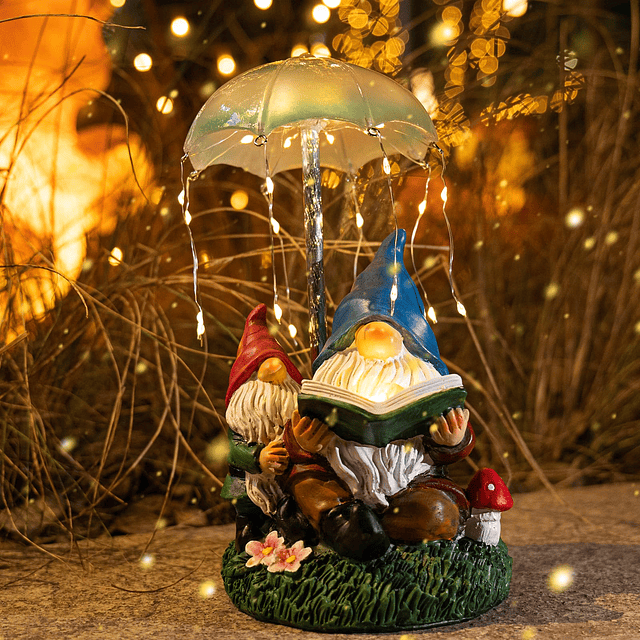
[(378, 340), (272, 370)]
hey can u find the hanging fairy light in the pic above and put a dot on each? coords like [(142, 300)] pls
[(277, 311), (115, 257), (293, 332)]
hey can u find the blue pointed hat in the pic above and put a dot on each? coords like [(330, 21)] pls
[(370, 300)]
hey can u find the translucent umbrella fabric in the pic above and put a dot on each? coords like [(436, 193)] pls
[(274, 102)]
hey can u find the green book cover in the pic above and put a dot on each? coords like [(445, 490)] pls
[(405, 415)]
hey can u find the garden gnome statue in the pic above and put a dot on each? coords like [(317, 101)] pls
[(387, 482), (262, 395)]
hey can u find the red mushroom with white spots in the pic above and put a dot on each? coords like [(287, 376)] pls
[(488, 496)]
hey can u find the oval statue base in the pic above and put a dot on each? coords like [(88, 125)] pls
[(411, 587)]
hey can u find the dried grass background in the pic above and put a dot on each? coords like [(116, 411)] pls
[(111, 412)]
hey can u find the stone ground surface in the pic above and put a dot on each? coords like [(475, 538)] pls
[(111, 595)]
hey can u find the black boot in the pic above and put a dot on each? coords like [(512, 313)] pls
[(293, 524), (353, 530), (247, 529)]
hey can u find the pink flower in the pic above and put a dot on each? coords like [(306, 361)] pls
[(289, 559), (264, 552)]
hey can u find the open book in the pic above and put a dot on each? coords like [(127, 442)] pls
[(403, 416)]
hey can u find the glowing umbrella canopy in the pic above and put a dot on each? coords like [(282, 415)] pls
[(307, 112)]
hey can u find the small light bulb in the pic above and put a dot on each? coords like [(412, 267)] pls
[(359, 220), (269, 183), (277, 311), (443, 195), (248, 139), (200, 323), (181, 197), (461, 309), (293, 332), (275, 225), (386, 166), (422, 207), (287, 142), (432, 315), (187, 217), (330, 139), (394, 292)]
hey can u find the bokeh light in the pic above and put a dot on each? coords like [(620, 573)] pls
[(147, 561), (239, 199), (320, 50), (298, 50), (515, 8), (115, 257), (143, 62), (560, 579), (226, 64), (164, 105), (180, 27), (207, 588), (263, 4), (68, 444), (332, 4), (321, 13), (117, 3), (574, 218)]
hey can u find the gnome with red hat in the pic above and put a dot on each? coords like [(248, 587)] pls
[(260, 400)]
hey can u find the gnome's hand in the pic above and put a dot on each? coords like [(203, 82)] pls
[(312, 435), (274, 458), (449, 430)]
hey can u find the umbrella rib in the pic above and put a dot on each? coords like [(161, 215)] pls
[(267, 96)]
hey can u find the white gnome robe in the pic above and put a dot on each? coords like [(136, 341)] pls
[(257, 412)]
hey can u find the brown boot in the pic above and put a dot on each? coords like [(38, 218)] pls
[(419, 514)]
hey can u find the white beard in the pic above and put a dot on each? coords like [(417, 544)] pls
[(373, 474), (258, 412), (374, 379)]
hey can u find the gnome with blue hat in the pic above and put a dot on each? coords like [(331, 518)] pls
[(367, 483)]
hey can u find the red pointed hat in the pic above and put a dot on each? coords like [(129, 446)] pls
[(256, 346)]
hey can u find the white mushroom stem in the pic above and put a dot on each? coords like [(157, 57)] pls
[(484, 526)]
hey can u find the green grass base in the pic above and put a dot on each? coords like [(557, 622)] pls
[(411, 587)]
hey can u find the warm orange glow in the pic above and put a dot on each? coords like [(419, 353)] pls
[(180, 27), (321, 13), (226, 65), (63, 183), (298, 50)]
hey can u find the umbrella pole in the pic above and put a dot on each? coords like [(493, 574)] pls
[(314, 239)]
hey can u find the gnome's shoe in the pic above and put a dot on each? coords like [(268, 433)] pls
[(353, 530), (247, 529), (422, 513), (293, 524)]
